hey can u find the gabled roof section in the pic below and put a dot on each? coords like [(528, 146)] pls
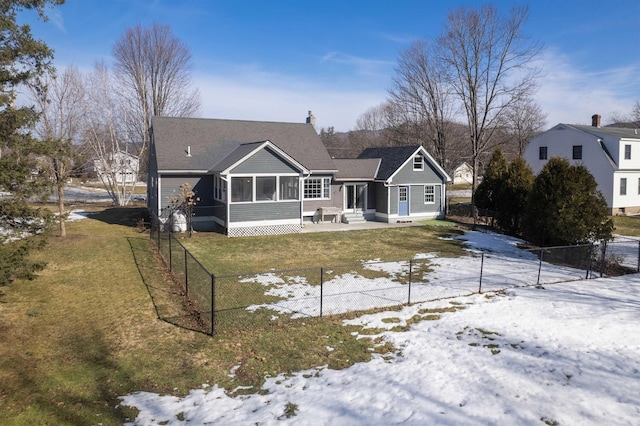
[(246, 150), (209, 141), (357, 168), (394, 157)]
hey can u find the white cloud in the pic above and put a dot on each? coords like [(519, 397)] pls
[(283, 98), (570, 94)]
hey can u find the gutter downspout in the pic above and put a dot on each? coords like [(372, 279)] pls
[(301, 194), (227, 201)]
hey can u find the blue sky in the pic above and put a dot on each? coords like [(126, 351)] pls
[(275, 60)]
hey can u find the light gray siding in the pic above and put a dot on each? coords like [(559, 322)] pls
[(407, 175), (393, 199), (264, 161), (264, 211), (417, 205)]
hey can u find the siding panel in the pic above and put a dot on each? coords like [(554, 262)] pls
[(264, 211), (264, 161)]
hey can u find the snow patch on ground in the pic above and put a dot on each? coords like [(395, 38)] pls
[(568, 353)]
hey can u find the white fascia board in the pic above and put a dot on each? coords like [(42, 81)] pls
[(182, 172)]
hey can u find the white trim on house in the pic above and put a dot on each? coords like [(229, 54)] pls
[(263, 145), (433, 162)]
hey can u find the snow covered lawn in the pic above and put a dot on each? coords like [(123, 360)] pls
[(566, 354)]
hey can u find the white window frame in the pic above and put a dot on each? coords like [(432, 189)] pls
[(627, 152), (418, 163), (430, 196), (323, 190), (219, 189), (623, 186)]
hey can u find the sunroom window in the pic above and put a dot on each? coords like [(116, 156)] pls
[(265, 188), (241, 189), (289, 189)]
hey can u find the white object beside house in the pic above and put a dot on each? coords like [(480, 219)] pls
[(611, 154), (463, 174), (119, 168)]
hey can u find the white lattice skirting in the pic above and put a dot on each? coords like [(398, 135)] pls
[(252, 231)]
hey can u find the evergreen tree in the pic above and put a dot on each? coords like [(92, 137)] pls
[(512, 195), (23, 60), (487, 193), (564, 207)]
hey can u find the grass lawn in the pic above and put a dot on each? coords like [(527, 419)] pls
[(222, 255), (99, 322), (627, 225)]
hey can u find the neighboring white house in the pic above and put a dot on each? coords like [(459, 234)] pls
[(119, 168), (463, 174), (611, 154)]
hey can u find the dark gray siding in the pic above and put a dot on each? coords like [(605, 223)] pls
[(202, 185), (152, 181), (381, 198), (264, 161), (264, 211), (407, 175)]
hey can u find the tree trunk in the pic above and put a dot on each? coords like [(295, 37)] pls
[(61, 218)]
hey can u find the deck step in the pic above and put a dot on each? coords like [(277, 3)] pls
[(353, 218)]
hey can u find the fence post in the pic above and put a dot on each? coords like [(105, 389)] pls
[(638, 270), (481, 268), (540, 266), (170, 255), (321, 288), (604, 255), (410, 270), (186, 274), (590, 260), (213, 304)]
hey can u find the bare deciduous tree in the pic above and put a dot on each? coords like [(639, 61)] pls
[(420, 89), (523, 120), (62, 108), (154, 70), (490, 67), (105, 136)]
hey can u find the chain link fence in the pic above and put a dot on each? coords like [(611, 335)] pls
[(246, 301)]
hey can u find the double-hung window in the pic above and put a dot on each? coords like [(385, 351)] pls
[(317, 188), (219, 188), (429, 194), (577, 152), (627, 152), (418, 163), (542, 153), (623, 186)]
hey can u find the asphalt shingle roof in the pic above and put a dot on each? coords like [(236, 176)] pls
[(618, 132), (357, 168), (212, 140), (392, 158)]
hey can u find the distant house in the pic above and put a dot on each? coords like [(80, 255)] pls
[(119, 168), (611, 154), (256, 178), (463, 174)]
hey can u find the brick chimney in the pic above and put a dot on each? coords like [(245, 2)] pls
[(595, 120), (311, 119)]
